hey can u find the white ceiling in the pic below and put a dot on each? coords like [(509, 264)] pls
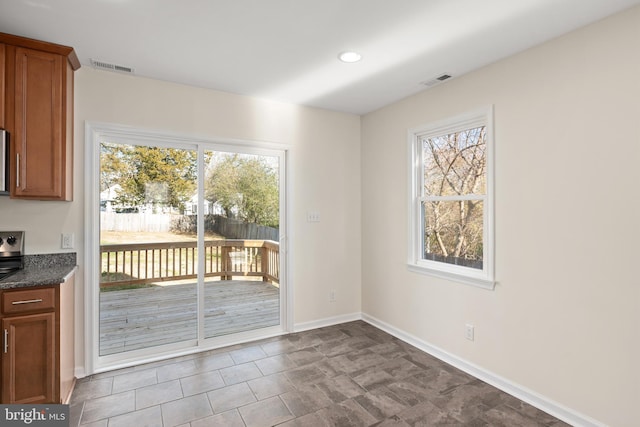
[(287, 49)]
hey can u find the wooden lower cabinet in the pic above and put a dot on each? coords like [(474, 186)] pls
[(28, 360), (35, 367)]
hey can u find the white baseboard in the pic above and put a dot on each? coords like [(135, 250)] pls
[(329, 321), (541, 402), (80, 372)]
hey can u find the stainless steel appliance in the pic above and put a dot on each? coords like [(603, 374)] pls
[(4, 161), (11, 252)]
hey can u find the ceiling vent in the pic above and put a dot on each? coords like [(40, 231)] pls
[(107, 66), (436, 80)]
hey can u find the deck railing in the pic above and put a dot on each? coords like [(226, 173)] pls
[(142, 263)]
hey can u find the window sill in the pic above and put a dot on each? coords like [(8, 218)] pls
[(455, 277)]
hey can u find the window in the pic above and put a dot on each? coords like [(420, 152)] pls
[(452, 199)]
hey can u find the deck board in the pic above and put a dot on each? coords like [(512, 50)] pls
[(139, 318)]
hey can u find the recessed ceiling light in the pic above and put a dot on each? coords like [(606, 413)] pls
[(350, 57)]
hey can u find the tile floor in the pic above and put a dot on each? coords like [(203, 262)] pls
[(351, 374)]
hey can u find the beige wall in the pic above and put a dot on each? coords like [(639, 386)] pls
[(324, 177), (564, 319)]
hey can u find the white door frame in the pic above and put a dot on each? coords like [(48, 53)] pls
[(95, 133)]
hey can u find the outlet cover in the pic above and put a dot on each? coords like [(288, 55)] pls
[(67, 241), (469, 332)]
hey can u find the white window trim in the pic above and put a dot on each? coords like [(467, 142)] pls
[(481, 278)]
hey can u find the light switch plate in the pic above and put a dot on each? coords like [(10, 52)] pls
[(313, 216)]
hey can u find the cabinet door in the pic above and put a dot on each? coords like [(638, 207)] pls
[(3, 62), (38, 138), (28, 362)]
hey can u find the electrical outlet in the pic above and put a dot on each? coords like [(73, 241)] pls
[(67, 241), (332, 295), (313, 216), (468, 332)]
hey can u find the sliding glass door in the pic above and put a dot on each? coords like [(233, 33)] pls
[(242, 219), (148, 247), (186, 244)]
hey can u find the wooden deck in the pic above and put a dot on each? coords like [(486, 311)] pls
[(147, 317)]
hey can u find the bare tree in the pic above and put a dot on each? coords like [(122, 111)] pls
[(454, 177)]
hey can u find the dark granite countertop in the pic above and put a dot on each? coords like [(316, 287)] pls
[(41, 270)]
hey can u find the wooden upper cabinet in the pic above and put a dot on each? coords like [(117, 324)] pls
[(2, 84), (39, 117), (38, 140)]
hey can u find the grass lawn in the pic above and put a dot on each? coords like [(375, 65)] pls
[(121, 237)]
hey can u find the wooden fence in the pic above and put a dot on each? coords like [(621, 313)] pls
[(228, 227), (236, 229), (142, 263), (148, 222)]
